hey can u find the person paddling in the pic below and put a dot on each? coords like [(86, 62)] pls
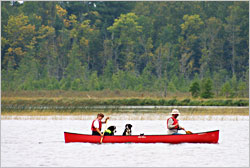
[(96, 125), (172, 123)]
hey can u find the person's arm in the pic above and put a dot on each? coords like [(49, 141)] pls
[(105, 120), (180, 128), (97, 129)]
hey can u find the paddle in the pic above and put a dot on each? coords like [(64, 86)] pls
[(104, 131), (187, 132)]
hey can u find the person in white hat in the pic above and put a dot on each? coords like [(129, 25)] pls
[(172, 123)]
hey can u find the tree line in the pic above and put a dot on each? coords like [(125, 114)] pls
[(197, 47)]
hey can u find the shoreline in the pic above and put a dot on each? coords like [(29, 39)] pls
[(21, 104), (130, 117), (119, 111)]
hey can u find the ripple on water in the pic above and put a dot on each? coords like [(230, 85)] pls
[(20, 145)]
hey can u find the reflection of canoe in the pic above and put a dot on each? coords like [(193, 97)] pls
[(202, 137)]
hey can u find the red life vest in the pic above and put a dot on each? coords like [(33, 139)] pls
[(175, 122), (100, 125)]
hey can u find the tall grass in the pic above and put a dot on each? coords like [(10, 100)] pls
[(91, 94), (93, 112), (80, 103), (74, 101)]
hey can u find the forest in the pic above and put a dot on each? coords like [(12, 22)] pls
[(171, 47)]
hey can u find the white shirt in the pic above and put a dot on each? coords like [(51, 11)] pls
[(170, 127), (96, 124)]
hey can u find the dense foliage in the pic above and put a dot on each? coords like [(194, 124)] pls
[(153, 46)]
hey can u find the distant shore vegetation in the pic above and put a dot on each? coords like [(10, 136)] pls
[(187, 50), (87, 101)]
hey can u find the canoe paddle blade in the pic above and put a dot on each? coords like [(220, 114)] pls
[(189, 132)]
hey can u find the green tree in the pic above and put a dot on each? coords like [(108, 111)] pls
[(76, 84), (125, 32), (233, 29), (206, 88), (20, 36), (242, 87), (65, 84), (234, 85), (74, 70), (129, 45), (109, 70), (226, 89), (219, 79), (147, 77), (27, 73), (94, 82), (195, 89), (190, 43), (171, 87), (212, 46)]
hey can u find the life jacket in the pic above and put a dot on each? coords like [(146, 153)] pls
[(100, 125), (108, 131), (175, 122)]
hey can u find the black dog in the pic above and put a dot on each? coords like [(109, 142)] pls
[(110, 131), (127, 130)]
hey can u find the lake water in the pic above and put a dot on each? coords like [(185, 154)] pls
[(40, 143)]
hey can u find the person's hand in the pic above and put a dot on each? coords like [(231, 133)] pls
[(106, 119)]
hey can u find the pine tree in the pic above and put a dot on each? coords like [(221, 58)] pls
[(206, 89), (195, 89), (226, 89)]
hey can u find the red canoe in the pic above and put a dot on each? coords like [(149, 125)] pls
[(202, 137)]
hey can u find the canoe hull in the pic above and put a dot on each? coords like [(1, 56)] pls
[(202, 137)]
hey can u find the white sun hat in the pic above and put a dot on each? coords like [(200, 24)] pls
[(175, 111)]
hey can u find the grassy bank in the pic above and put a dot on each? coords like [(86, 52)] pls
[(84, 101), (190, 111), (91, 94), (81, 102), (160, 114)]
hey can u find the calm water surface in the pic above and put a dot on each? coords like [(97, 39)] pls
[(40, 143)]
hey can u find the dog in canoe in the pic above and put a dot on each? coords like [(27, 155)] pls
[(128, 130), (110, 131)]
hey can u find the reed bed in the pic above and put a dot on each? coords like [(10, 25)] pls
[(73, 104), (79, 105), (186, 111), (131, 117), (160, 114)]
